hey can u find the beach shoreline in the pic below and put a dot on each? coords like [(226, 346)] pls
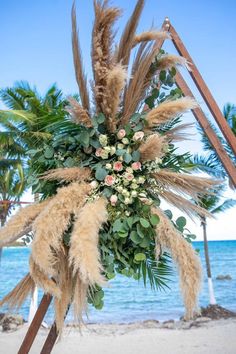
[(209, 336)]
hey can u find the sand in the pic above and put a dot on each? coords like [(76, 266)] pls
[(218, 337)]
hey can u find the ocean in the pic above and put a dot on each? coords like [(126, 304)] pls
[(127, 300)]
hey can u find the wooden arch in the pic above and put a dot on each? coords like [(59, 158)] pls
[(204, 123)]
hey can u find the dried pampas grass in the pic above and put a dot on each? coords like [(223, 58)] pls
[(187, 260), (116, 78), (78, 64), (69, 174), (169, 61), (65, 283), (179, 133), (152, 148), (19, 224), (128, 35), (57, 217), (136, 88), (48, 285), (102, 39), (183, 183), (169, 110), (150, 36), (84, 252), (19, 294), (80, 298), (78, 114), (184, 204)]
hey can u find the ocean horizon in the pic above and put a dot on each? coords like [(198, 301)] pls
[(127, 300)]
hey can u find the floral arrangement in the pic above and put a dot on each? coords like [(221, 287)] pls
[(102, 184)]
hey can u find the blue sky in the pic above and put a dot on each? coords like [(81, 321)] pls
[(36, 46)]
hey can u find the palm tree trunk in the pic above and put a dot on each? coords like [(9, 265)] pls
[(34, 299), (212, 299), (3, 220)]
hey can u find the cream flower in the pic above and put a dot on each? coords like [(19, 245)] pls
[(128, 176), (138, 136), (125, 141), (103, 139), (113, 199)]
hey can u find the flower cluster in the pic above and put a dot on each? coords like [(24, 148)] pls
[(123, 172)]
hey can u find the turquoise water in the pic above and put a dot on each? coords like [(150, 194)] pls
[(129, 301)]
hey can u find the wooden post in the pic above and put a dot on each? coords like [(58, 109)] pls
[(35, 324), (211, 135), (202, 87), (50, 341)]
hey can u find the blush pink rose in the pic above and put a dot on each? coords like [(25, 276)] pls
[(98, 152), (109, 180), (136, 166), (128, 176), (138, 136), (117, 166), (113, 199), (121, 133)]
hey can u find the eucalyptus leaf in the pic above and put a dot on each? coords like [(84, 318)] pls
[(127, 157), (136, 156), (101, 173)]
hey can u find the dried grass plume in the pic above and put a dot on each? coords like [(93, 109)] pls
[(187, 260), (153, 147), (169, 110), (85, 236), (20, 223)]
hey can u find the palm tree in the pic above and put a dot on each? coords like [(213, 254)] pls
[(12, 186), (210, 163), (213, 204), (25, 123)]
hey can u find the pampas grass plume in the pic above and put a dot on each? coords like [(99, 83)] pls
[(19, 294), (169, 61), (78, 114), (152, 148), (187, 260), (54, 221), (169, 110), (84, 252), (150, 36), (67, 174), (17, 224)]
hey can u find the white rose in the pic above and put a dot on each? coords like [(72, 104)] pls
[(138, 136), (94, 184), (134, 193), (125, 141), (108, 166), (112, 150), (113, 199)]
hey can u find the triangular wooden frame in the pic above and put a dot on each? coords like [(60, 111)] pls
[(209, 100), (204, 123)]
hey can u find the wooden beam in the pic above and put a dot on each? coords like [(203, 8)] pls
[(35, 324), (202, 87), (211, 135), (50, 341)]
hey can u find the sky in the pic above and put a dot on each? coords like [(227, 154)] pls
[(36, 46)]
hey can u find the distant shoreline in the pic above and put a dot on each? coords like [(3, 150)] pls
[(20, 245)]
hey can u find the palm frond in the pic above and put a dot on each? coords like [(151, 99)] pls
[(227, 204)]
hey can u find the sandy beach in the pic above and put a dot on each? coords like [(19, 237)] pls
[(216, 337)]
